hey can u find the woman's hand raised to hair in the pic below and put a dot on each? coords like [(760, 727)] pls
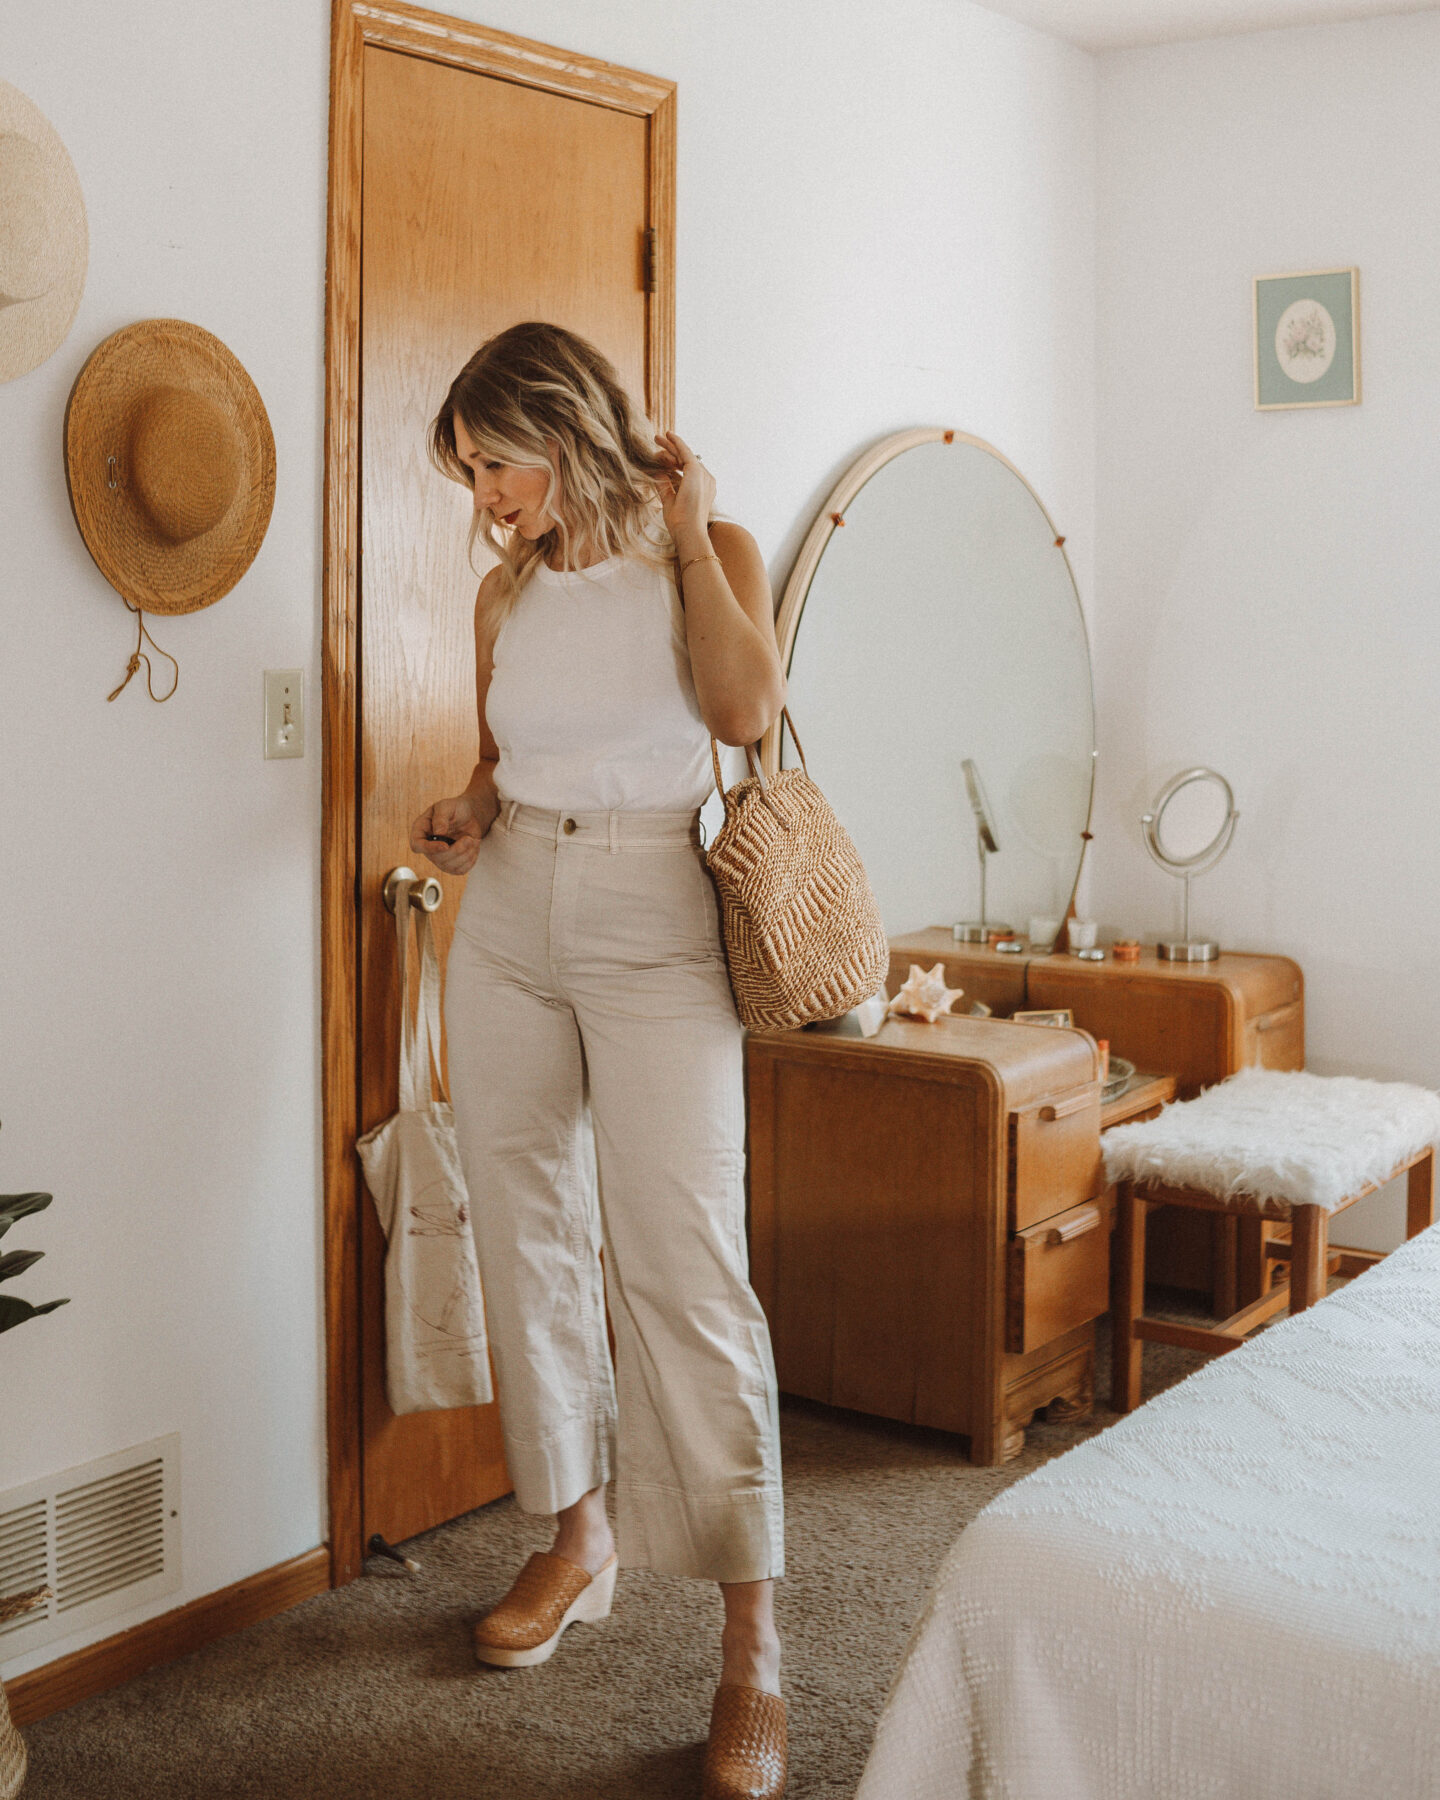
[(691, 499), (459, 820)]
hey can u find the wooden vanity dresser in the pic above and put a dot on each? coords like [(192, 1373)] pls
[(929, 1223), (891, 1181), (1197, 1022)]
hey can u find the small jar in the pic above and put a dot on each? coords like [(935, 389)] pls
[(1126, 950), (1043, 932)]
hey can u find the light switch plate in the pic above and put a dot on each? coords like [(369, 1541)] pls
[(284, 712)]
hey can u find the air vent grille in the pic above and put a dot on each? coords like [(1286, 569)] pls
[(105, 1538), (109, 1534), (23, 1560)]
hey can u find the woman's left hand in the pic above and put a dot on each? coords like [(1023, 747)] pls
[(692, 492)]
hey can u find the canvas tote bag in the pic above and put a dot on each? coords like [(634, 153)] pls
[(803, 935), (436, 1353)]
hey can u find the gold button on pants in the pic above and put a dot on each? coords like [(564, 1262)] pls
[(587, 964)]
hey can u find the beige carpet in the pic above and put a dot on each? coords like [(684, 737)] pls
[(371, 1691)]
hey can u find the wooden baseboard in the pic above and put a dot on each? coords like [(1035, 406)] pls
[(129, 1653)]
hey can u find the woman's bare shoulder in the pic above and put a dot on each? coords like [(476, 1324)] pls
[(491, 587)]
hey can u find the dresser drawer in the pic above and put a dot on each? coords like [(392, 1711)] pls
[(1059, 1275), (1054, 1155)]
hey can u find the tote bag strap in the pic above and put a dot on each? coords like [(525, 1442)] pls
[(414, 1077), (428, 1019), (752, 760), (420, 1033)]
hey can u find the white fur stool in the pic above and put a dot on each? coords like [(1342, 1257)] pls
[(1281, 1145)]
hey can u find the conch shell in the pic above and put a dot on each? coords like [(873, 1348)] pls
[(925, 995)]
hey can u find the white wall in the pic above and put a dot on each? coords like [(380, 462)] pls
[(1269, 581), (882, 222)]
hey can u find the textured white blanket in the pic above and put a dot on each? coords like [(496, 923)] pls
[(1280, 1135), (1233, 1594)]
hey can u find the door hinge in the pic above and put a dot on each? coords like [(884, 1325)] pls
[(648, 258)]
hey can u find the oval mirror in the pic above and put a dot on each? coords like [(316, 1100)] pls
[(933, 620), (1192, 821)]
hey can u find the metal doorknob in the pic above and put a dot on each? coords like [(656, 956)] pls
[(426, 894)]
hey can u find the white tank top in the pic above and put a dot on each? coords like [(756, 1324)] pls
[(592, 703)]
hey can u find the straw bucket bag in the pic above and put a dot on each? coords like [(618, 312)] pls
[(803, 934), (13, 1757)]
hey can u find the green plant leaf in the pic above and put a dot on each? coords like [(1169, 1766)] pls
[(18, 1206), (15, 1312), (17, 1262)]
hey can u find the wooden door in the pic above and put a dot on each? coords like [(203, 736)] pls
[(484, 202)]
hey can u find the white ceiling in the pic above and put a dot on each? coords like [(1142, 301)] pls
[(1116, 24)]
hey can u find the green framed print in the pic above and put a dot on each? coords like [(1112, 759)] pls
[(1307, 339)]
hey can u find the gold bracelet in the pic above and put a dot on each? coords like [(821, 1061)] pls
[(705, 556)]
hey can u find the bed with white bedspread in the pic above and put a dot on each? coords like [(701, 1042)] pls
[(1232, 1594)]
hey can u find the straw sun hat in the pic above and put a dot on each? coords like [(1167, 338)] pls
[(44, 242), (171, 465)]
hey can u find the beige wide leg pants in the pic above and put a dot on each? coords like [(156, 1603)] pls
[(587, 967)]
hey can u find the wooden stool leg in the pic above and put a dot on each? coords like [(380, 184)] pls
[(1227, 1254), (1420, 1195), (1128, 1300), (1309, 1252)]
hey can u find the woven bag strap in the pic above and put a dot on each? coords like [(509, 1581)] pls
[(794, 737), (753, 760)]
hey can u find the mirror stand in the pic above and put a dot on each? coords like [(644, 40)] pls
[(977, 931), (970, 931), (1186, 948), (1191, 855)]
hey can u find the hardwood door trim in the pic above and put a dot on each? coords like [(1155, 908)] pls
[(416, 32)]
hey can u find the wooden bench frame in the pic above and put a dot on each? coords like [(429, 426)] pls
[(1308, 1253)]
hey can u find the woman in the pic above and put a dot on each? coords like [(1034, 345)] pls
[(587, 983)]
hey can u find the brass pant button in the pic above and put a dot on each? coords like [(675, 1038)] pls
[(568, 827)]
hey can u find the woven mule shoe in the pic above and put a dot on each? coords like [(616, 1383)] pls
[(549, 1594), (747, 1754)]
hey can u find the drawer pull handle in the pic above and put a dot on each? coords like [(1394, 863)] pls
[(1062, 1109), (1074, 1228), (1282, 1015)]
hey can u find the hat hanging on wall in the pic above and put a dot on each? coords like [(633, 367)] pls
[(44, 240), (171, 465)]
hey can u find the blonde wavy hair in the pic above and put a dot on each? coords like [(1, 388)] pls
[(535, 385)]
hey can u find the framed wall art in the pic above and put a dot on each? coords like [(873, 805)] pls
[(1307, 339)]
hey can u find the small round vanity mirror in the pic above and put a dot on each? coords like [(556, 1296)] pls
[(1187, 831), (940, 681)]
